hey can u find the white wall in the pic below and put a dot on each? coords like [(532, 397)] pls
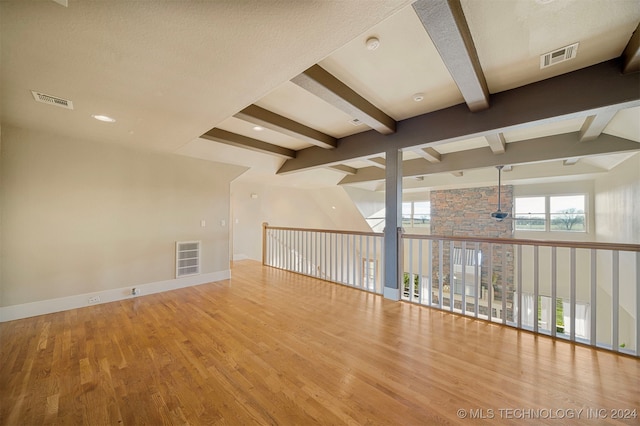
[(289, 207), (617, 212), (81, 217), (617, 217)]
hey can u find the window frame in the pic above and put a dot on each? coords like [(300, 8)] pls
[(548, 214), (412, 216)]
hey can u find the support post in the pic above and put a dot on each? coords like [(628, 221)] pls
[(264, 243), (393, 225)]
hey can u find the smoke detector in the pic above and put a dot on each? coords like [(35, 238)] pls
[(558, 55), (372, 43), (52, 100)]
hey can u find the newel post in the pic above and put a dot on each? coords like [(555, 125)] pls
[(264, 243), (400, 259)]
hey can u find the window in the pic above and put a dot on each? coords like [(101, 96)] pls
[(530, 214), (421, 214), (567, 213), (370, 273), (406, 214), (551, 213), (415, 214)]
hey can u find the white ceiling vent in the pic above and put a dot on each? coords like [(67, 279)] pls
[(52, 100), (355, 122), (558, 55)]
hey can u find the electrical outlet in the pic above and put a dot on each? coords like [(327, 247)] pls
[(94, 299)]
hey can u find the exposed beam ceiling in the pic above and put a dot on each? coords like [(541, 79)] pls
[(570, 161), (222, 136), (319, 82), (429, 154), (262, 117), (497, 143), (586, 91), (344, 169), (631, 54), (445, 23), (378, 162), (594, 125), (533, 150)]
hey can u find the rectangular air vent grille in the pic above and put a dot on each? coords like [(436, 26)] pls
[(558, 55), (52, 100), (187, 258), (355, 122)]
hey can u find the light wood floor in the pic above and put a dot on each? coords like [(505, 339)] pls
[(270, 347)]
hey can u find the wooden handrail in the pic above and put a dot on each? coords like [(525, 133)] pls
[(516, 241), (527, 242), (327, 231), (265, 225)]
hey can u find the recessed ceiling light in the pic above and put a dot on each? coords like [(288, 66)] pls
[(258, 128), (418, 97), (372, 43), (104, 118)]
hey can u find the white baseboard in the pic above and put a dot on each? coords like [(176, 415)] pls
[(391, 293), (240, 256), (42, 307)]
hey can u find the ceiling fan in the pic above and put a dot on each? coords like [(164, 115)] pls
[(499, 215)]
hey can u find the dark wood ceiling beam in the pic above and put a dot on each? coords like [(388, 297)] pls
[(447, 27), (378, 162), (579, 93), (631, 53), (234, 139), (270, 120), (497, 143), (344, 169), (556, 147), (429, 154), (324, 85), (594, 125)]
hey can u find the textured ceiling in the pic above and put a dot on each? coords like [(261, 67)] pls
[(168, 71), (171, 71)]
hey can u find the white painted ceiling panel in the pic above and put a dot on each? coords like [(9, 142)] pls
[(548, 129), (295, 103), (244, 128), (406, 63), (625, 124), (510, 36), (464, 145)]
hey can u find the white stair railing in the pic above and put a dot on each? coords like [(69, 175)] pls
[(587, 293)]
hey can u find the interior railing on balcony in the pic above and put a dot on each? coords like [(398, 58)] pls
[(587, 293), (349, 258)]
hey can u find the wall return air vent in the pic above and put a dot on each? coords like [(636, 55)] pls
[(52, 100), (558, 55), (187, 258)]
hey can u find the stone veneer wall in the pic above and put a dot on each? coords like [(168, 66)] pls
[(467, 213)]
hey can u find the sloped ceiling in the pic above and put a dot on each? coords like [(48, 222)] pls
[(188, 78)]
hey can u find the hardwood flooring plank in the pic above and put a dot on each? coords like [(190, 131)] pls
[(271, 347)]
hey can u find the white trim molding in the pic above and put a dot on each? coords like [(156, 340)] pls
[(391, 293), (42, 307)]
